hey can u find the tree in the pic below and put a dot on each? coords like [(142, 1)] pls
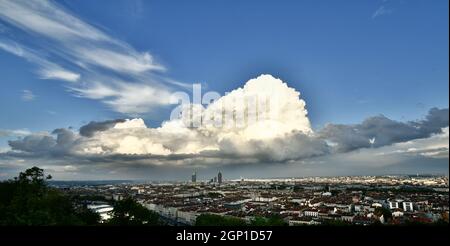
[(274, 220), (32, 181), (386, 213), (33, 175), (334, 223), (129, 212), (27, 200), (217, 220), (88, 216), (214, 195)]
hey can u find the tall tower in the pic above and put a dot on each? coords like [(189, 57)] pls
[(219, 177), (194, 177)]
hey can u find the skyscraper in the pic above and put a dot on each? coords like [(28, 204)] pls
[(194, 177), (219, 177)]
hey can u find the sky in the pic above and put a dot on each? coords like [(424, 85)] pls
[(357, 79)]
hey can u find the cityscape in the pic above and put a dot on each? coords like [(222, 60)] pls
[(152, 122), (360, 200)]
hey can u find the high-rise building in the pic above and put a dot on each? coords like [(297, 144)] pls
[(219, 177), (194, 177)]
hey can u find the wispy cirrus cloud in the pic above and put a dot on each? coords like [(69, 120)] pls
[(27, 95), (46, 69), (70, 49), (382, 10), (59, 74), (45, 18)]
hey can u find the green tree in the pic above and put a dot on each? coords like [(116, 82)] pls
[(217, 220), (214, 195), (335, 223), (27, 200), (88, 216), (129, 212), (386, 213), (274, 220)]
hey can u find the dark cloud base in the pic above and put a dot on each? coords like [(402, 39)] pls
[(57, 149), (384, 131)]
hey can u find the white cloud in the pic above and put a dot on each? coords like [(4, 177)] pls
[(267, 106), (127, 98), (45, 18), (59, 75), (78, 38), (130, 124), (280, 135), (12, 48), (47, 69), (130, 62), (96, 90), (27, 96), (382, 10)]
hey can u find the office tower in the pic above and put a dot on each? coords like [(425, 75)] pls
[(219, 177), (194, 177)]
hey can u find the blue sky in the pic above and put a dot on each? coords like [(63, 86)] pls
[(347, 64), (349, 59)]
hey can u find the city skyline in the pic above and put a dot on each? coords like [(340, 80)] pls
[(390, 200), (91, 90)]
